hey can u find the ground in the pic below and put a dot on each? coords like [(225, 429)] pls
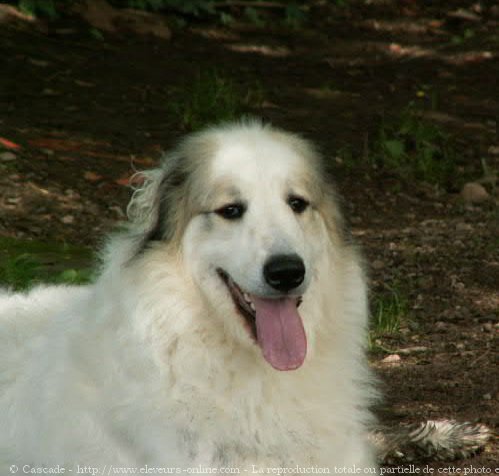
[(81, 111)]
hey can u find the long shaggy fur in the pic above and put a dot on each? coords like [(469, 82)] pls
[(155, 362), (441, 440)]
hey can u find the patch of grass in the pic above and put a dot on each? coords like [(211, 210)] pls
[(213, 97), (254, 16), (415, 149), (295, 16), (44, 8), (410, 147), (25, 271), (26, 263), (18, 272), (388, 310), (96, 34), (466, 35), (74, 276)]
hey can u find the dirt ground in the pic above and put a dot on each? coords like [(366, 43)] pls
[(78, 114)]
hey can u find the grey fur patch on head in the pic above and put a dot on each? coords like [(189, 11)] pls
[(149, 208), (161, 207)]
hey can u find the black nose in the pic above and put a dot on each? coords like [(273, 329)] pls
[(284, 272)]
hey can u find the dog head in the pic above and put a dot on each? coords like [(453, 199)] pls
[(249, 209)]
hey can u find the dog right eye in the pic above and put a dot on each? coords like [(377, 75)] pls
[(233, 211)]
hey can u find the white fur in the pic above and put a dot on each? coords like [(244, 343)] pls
[(152, 364)]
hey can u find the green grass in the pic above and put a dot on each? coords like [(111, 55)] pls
[(388, 310), (410, 147), (212, 98), (44, 8), (465, 36), (415, 148), (27, 263)]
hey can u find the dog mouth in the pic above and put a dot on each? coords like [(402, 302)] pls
[(243, 303), (274, 324)]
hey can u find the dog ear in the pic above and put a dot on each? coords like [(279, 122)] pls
[(151, 209)]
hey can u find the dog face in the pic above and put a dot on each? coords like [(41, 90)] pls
[(248, 205), (254, 244)]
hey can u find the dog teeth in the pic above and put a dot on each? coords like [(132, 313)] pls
[(249, 302)]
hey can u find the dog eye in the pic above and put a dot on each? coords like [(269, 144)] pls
[(297, 204), (233, 211)]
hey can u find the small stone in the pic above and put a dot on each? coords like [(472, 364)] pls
[(92, 176), (487, 327), (378, 264), (460, 346), (68, 219), (464, 227), (487, 396), (7, 156), (440, 326), (473, 192), (392, 359), (459, 286)]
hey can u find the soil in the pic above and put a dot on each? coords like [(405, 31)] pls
[(80, 113)]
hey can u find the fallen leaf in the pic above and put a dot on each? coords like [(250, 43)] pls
[(125, 181), (9, 144), (68, 219), (91, 176)]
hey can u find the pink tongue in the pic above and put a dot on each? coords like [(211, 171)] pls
[(280, 332)]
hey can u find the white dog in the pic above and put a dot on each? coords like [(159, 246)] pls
[(226, 330)]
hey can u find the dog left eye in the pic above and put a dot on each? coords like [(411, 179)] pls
[(297, 204), (232, 211)]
